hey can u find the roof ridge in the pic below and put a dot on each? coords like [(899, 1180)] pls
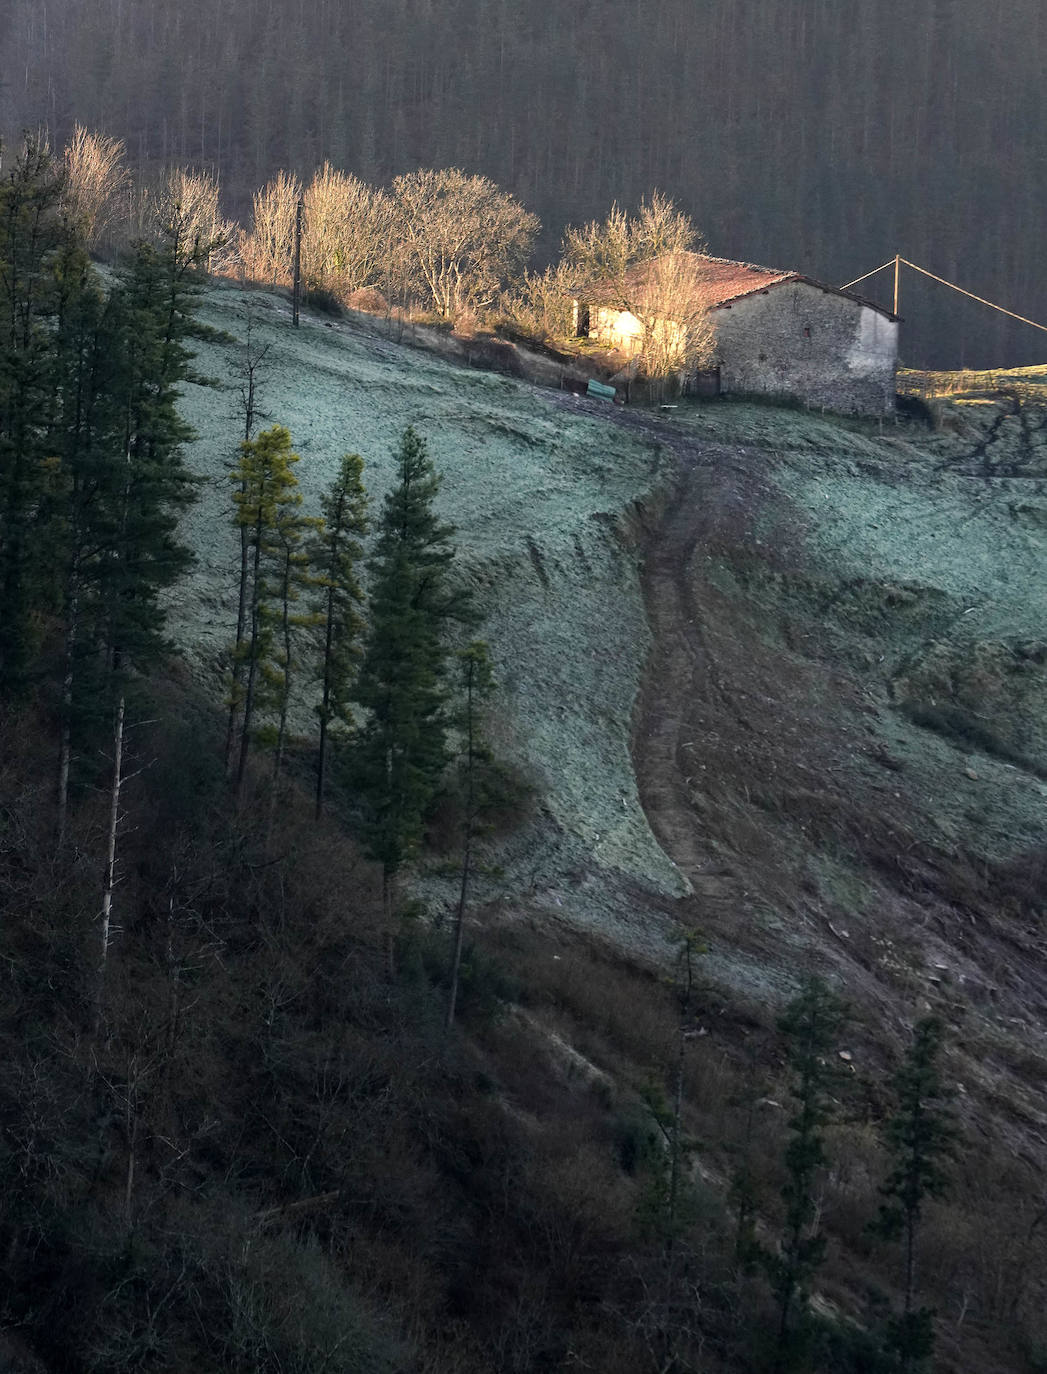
[(751, 266)]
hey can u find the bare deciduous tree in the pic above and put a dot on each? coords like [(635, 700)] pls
[(604, 251), (267, 253), (659, 227), (599, 251), (182, 207), (462, 236), (672, 307), (644, 264), (347, 233), (541, 307), (94, 177)]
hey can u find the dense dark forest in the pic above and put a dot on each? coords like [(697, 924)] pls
[(802, 133)]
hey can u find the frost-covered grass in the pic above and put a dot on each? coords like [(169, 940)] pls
[(536, 493), (918, 558), (923, 557)]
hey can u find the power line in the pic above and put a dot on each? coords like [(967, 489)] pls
[(896, 262), (848, 285)]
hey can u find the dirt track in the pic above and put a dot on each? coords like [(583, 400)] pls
[(761, 763), (737, 745)]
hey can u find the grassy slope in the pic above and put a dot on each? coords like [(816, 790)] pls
[(538, 496), (907, 561), (911, 559), (922, 558)]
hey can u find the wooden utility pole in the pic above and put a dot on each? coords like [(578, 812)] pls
[(897, 267), (297, 297)]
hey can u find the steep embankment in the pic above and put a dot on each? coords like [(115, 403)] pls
[(777, 677), (840, 737), (539, 492)]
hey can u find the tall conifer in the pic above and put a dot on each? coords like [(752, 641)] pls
[(39, 262), (265, 486), (402, 750), (477, 684), (288, 559), (920, 1137), (810, 1024), (334, 555)]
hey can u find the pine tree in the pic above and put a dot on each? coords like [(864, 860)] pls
[(153, 303), (252, 363), (334, 555), (117, 485), (40, 265), (477, 683), (288, 559), (811, 1023), (401, 751), (920, 1138), (265, 485), (85, 501)]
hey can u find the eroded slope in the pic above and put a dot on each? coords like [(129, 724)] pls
[(539, 493), (840, 738)]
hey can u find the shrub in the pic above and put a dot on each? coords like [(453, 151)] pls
[(325, 301), (915, 408)]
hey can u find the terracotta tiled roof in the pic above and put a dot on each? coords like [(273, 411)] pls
[(724, 281), (720, 281)]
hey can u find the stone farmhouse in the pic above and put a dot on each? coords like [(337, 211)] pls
[(775, 333)]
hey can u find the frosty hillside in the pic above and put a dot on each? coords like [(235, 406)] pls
[(541, 498), (550, 500)]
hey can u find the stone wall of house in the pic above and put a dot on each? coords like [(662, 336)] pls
[(616, 328), (798, 340)]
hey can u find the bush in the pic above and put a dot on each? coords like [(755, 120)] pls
[(542, 307), (485, 986), (325, 302), (915, 408), (289, 1311), (846, 1348), (369, 300)]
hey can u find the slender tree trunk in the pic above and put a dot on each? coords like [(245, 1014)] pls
[(674, 1169), (174, 997), (109, 878), (245, 553), (66, 726), (459, 928), (910, 1260), (131, 1132), (459, 920), (238, 667), (296, 297), (675, 1153), (325, 704), (252, 666), (285, 697), (388, 880), (278, 763)]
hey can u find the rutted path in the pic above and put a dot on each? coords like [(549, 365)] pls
[(681, 676), (681, 680), (760, 760), (740, 749)]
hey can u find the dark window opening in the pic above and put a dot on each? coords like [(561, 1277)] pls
[(582, 327)]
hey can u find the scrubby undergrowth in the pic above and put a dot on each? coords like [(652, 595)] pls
[(861, 607), (269, 1156)]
